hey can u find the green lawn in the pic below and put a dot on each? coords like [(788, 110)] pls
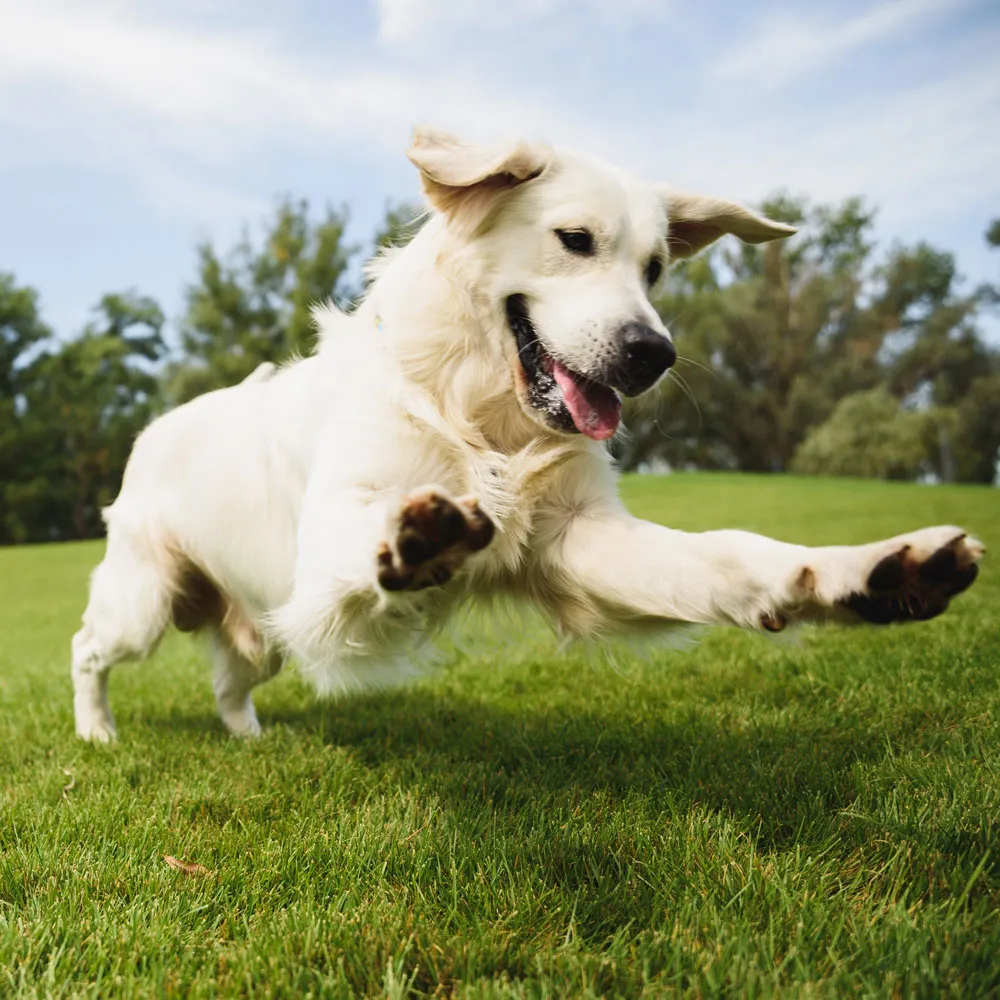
[(808, 817)]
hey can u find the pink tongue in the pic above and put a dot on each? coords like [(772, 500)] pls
[(595, 409)]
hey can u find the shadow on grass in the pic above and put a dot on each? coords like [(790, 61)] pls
[(582, 796), (782, 778)]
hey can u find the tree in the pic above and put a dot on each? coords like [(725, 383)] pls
[(255, 303), (22, 333), (771, 340), (869, 434), (976, 435), (21, 330), (85, 402), (977, 407)]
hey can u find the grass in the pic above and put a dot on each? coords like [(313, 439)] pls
[(748, 818)]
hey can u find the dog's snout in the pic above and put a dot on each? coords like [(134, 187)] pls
[(644, 355)]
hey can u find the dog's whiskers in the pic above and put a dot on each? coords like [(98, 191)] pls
[(697, 364), (686, 389)]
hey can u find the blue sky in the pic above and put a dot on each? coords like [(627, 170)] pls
[(130, 130)]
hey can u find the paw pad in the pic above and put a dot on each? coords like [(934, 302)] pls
[(434, 537), (903, 586)]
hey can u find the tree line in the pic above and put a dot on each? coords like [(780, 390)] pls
[(823, 355), (818, 355)]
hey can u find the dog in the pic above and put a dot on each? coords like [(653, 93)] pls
[(445, 443)]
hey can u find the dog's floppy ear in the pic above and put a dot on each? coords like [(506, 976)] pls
[(461, 180), (694, 221)]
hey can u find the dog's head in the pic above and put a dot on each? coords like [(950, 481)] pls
[(568, 251)]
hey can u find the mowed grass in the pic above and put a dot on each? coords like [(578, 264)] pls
[(750, 817)]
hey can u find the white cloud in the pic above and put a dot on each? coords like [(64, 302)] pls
[(790, 46), (931, 151), (101, 85), (174, 192), (211, 93), (402, 22), (173, 78), (925, 154), (176, 108)]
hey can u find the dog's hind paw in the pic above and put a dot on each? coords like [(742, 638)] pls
[(96, 730), (430, 539), (916, 579)]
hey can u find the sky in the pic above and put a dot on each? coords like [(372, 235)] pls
[(132, 130)]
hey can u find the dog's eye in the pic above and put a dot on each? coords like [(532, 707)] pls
[(653, 271), (579, 241)]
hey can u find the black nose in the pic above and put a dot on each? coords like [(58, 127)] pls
[(643, 356)]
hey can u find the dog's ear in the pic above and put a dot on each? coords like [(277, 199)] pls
[(462, 180), (694, 221)]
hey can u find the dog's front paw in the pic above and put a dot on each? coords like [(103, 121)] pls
[(917, 577), (96, 728), (431, 537)]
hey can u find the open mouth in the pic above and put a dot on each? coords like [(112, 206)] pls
[(571, 402)]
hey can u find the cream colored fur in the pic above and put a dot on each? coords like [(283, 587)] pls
[(278, 493)]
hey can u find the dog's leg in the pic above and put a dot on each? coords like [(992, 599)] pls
[(371, 578), (430, 537), (621, 568), (91, 666), (235, 677), (127, 612)]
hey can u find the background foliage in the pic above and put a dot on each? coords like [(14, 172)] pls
[(790, 353), (820, 354)]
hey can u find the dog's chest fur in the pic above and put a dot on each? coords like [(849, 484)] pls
[(517, 491)]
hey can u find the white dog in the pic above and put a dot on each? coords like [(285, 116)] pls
[(444, 444)]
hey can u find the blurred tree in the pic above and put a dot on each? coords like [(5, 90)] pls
[(976, 429), (975, 435), (769, 340), (21, 330), (22, 333), (935, 347), (84, 403), (868, 434), (255, 304), (938, 355), (772, 339)]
